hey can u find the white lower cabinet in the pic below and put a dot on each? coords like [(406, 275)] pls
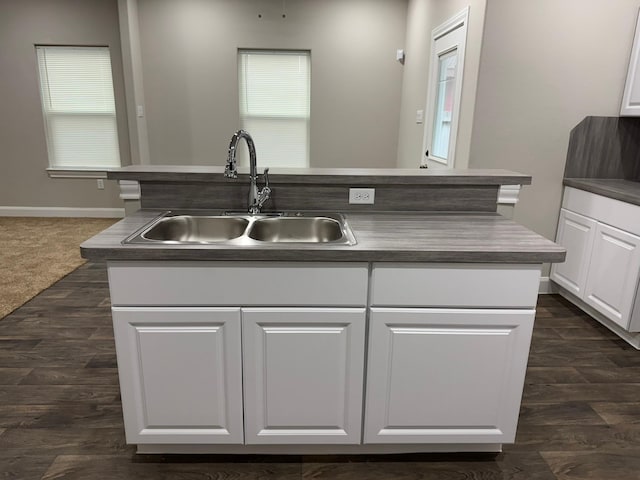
[(613, 274), (576, 234), (445, 375), (180, 374), (602, 268), (272, 372), (303, 375)]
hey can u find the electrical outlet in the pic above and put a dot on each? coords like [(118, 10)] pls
[(100, 184), (362, 195)]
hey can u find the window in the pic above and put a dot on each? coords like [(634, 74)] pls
[(76, 88), (445, 92), (274, 89)]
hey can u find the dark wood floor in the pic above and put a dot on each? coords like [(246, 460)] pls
[(60, 414)]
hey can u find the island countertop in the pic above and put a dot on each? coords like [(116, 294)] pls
[(443, 237), (332, 176)]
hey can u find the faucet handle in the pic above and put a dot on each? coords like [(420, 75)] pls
[(265, 192)]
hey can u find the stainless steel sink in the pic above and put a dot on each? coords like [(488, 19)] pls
[(196, 229), (296, 229), (181, 228)]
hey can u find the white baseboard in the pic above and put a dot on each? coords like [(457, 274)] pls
[(61, 212), (547, 286), (632, 338)]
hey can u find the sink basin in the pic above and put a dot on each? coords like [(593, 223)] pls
[(196, 229), (296, 229), (245, 230)]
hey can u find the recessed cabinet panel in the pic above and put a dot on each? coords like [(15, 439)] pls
[(303, 375), (576, 234), (613, 274), (445, 376), (182, 380)]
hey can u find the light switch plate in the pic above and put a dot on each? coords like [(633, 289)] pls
[(362, 195)]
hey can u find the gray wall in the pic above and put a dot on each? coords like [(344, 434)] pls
[(423, 17), (545, 65), (189, 64), (23, 179)]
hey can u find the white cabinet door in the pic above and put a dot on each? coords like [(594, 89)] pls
[(613, 274), (303, 375), (445, 375), (576, 234), (180, 374)]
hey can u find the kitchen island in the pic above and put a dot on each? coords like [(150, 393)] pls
[(414, 339)]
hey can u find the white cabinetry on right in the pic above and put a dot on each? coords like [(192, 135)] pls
[(602, 238), (448, 350)]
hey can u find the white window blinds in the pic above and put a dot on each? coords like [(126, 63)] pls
[(275, 102), (78, 104)]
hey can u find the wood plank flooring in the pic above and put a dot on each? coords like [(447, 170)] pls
[(60, 414)]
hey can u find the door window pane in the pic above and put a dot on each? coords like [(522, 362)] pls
[(445, 94)]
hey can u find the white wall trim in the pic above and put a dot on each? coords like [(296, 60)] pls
[(632, 338), (61, 212), (547, 286), (508, 194), (629, 106), (129, 189), (133, 82), (56, 172)]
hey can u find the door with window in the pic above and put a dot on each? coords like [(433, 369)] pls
[(445, 91)]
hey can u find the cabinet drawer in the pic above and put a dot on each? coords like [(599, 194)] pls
[(606, 210), (455, 285), (237, 283)]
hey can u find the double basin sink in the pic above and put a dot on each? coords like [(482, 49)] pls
[(244, 229)]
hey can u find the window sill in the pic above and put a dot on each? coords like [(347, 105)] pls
[(77, 172)]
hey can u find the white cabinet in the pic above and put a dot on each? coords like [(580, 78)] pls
[(602, 268), (448, 375), (180, 374), (182, 368), (441, 348), (631, 96), (613, 274), (445, 375), (303, 375), (576, 234)]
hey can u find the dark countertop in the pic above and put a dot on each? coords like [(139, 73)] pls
[(618, 189), (428, 237), (330, 176)]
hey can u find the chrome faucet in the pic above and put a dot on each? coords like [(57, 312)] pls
[(257, 198)]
